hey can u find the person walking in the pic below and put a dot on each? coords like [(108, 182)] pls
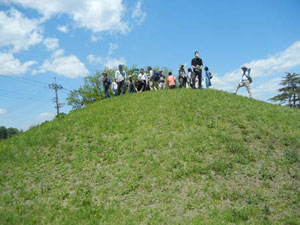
[(120, 76), (208, 77), (171, 81), (197, 65), (246, 80), (106, 84)]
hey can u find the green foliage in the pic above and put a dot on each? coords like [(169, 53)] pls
[(7, 132), (166, 157), (90, 92), (290, 91)]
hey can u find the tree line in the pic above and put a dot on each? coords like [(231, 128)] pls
[(8, 132)]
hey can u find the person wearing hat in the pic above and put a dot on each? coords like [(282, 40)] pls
[(245, 81), (120, 76), (197, 65), (106, 84)]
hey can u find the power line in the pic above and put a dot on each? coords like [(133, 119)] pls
[(27, 81)]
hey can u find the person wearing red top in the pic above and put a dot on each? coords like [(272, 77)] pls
[(171, 81)]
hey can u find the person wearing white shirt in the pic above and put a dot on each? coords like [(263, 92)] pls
[(142, 78), (114, 87), (120, 76), (245, 81)]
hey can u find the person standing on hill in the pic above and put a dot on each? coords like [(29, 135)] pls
[(131, 85), (161, 84), (151, 78), (191, 78), (142, 78), (106, 84), (182, 76), (171, 81), (246, 80), (120, 76), (114, 87), (197, 65), (208, 77)]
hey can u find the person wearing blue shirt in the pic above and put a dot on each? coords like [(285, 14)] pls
[(208, 77)]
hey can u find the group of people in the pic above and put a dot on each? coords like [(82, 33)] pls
[(156, 80)]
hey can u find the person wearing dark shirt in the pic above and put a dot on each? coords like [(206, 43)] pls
[(106, 83), (197, 65)]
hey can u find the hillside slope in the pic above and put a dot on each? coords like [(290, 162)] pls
[(166, 157)]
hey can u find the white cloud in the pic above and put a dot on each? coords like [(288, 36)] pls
[(2, 112), (267, 89), (138, 14), (114, 62), (278, 63), (9, 65), (92, 59), (112, 48), (95, 15), (47, 115), (51, 43), (68, 66), (17, 32), (63, 29), (107, 62), (95, 38)]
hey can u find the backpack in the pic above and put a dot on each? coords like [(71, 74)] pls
[(156, 76), (250, 79), (108, 81)]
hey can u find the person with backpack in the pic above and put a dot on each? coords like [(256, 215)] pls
[(171, 81), (208, 77), (246, 80), (120, 76), (151, 78), (182, 76), (106, 84), (131, 85), (161, 82), (114, 87), (197, 65)]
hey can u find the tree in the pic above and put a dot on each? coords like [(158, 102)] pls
[(11, 131), (88, 93), (290, 92), (3, 132)]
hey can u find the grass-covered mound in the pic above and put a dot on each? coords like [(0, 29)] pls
[(166, 157)]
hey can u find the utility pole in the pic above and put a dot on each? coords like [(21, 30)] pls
[(56, 87)]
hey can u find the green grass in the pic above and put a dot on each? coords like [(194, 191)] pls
[(165, 157)]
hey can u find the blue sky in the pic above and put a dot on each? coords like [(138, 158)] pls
[(70, 39)]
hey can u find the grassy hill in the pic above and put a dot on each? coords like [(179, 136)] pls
[(166, 157)]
